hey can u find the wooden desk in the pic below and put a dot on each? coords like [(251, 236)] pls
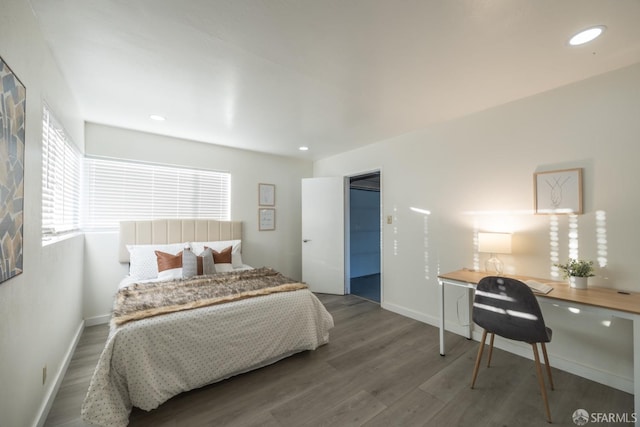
[(605, 301)]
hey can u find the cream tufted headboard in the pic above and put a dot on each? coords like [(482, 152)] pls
[(163, 231)]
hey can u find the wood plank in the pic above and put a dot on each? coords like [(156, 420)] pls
[(354, 411)]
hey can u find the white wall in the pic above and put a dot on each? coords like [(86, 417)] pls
[(40, 309), (476, 173), (279, 249)]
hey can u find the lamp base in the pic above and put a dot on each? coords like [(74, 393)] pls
[(494, 264)]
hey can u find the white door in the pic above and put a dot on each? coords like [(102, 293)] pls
[(323, 234)]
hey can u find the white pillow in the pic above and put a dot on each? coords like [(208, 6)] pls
[(171, 274), (236, 248), (143, 263)]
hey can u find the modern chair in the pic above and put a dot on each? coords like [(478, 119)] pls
[(507, 307)]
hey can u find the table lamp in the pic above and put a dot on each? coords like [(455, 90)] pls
[(493, 244)]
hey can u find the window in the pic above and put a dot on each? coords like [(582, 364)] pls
[(61, 178), (117, 190)]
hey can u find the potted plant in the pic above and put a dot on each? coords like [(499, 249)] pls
[(577, 271)]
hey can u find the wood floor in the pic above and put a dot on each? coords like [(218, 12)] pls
[(379, 369)]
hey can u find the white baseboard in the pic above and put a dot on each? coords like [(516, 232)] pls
[(564, 364), (412, 314), (97, 320), (55, 386), (571, 366)]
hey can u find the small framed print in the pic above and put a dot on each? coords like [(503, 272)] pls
[(266, 219), (558, 192), (266, 195)]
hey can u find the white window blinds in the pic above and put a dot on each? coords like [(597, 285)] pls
[(61, 180), (118, 190)]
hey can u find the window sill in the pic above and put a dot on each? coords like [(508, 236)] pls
[(56, 239)]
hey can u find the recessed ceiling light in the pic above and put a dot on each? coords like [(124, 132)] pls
[(157, 118), (303, 148), (587, 35)]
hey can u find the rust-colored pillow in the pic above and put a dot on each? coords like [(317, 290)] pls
[(222, 257), (167, 261)]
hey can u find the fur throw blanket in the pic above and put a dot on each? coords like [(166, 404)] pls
[(142, 300)]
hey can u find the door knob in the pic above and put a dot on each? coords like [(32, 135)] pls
[(306, 240)]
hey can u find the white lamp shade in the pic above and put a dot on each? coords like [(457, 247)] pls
[(494, 243)]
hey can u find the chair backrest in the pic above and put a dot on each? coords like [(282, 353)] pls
[(508, 308)]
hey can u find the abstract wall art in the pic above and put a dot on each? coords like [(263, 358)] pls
[(558, 192), (12, 134)]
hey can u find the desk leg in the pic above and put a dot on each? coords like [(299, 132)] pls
[(441, 286), (470, 310), (636, 368)]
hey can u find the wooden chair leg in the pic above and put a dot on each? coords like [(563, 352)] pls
[(541, 380), (546, 362), (490, 349), (477, 366)]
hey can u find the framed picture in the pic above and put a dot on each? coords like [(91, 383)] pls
[(266, 194), (558, 192), (266, 219), (12, 129)]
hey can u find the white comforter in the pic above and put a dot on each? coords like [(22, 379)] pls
[(146, 362)]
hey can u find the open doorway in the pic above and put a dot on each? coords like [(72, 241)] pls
[(365, 236)]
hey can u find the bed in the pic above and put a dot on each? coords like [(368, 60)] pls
[(149, 359)]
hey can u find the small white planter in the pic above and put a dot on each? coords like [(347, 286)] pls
[(578, 282)]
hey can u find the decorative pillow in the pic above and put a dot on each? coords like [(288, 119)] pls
[(222, 257), (169, 265), (236, 256), (208, 264), (190, 263), (143, 263), (184, 264)]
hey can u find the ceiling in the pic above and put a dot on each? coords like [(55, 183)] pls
[(333, 75)]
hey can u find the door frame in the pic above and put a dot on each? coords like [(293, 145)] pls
[(347, 230)]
